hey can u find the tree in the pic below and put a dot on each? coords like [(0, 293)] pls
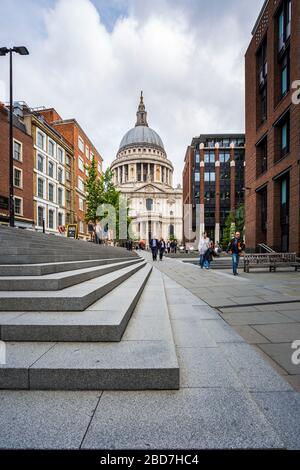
[(94, 192), (234, 222)]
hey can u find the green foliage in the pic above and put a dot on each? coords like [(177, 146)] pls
[(234, 222), (102, 191)]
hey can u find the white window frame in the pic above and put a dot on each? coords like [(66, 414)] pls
[(81, 181), (54, 147), (59, 189), (81, 164), (15, 141), (62, 153), (38, 131), (20, 199), (81, 227), (62, 175), (62, 216), (37, 187), (21, 177), (81, 203), (37, 214), (54, 218), (81, 144), (54, 170), (99, 167), (53, 185), (37, 162)]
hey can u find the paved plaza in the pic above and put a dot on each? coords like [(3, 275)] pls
[(229, 396)]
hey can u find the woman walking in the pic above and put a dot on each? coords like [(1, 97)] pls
[(162, 248)]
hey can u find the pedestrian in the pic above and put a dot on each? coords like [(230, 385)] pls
[(172, 245), (168, 246), (203, 247), (208, 255), (218, 249), (236, 246), (162, 248), (154, 248)]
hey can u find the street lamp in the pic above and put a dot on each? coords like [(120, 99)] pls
[(22, 50)]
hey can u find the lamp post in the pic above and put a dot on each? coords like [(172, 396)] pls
[(3, 51)]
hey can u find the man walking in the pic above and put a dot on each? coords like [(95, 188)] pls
[(203, 246), (236, 246), (154, 248), (162, 249)]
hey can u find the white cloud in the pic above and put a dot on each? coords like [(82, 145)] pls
[(191, 74)]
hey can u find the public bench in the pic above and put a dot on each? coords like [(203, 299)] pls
[(272, 261)]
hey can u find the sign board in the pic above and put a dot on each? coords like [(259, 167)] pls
[(72, 231)]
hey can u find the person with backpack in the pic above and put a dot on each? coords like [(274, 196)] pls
[(203, 247), (208, 255)]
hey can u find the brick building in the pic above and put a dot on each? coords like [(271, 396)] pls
[(213, 182), (84, 151), (23, 177), (272, 129)]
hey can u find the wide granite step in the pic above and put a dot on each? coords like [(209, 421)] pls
[(145, 358), (61, 280), (105, 320), (69, 299)]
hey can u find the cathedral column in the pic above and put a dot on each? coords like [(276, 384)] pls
[(123, 174), (142, 172), (148, 174)]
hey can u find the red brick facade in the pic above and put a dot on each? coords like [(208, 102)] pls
[(273, 129), (23, 166)]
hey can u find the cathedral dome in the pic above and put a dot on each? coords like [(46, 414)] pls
[(141, 134)]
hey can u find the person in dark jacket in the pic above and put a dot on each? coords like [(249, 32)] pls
[(154, 245), (162, 248), (236, 246), (208, 255)]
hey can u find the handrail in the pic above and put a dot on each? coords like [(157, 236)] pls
[(266, 247)]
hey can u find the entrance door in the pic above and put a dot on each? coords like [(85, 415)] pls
[(284, 213)]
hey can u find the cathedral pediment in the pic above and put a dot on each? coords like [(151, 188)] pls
[(149, 188)]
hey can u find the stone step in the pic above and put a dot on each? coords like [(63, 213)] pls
[(145, 358), (40, 258), (105, 320), (72, 298), (60, 281), (51, 268)]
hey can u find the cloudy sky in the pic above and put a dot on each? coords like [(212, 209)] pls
[(89, 59)]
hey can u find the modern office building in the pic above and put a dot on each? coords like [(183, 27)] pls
[(144, 176), (213, 183), (22, 171), (272, 128), (84, 151)]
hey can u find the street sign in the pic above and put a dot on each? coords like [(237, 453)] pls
[(72, 231)]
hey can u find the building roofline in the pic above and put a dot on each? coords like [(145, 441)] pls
[(74, 121), (263, 9)]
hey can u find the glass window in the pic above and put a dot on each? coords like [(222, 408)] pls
[(40, 140), (40, 188), (50, 169), (51, 219), (224, 157), (40, 216), (209, 157), (40, 163), (68, 176), (80, 184), (60, 196), (80, 144), (197, 157), (51, 192), (284, 137), (81, 227), (283, 191), (81, 204), (60, 218), (68, 160), (197, 177), (80, 164), (99, 167), (51, 147), (18, 206), (149, 204), (60, 154), (17, 178), (284, 74), (17, 151), (60, 175)]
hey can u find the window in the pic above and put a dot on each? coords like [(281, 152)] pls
[(209, 157), (80, 184), (60, 196), (51, 148), (50, 169), (224, 157), (208, 195), (40, 140), (60, 175), (81, 227), (262, 156), (18, 205), (80, 144), (263, 194), (262, 71), (80, 164), (51, 218), (68, 176), (68, 198), (40, 216), (81, 204), (91, 156), (283, 136), (51, 192), (284, 67), (40, 188), (149, 204), (40, 163), (60, 218), (197, 157), (209, 176), (68, 160), (87, 152), (60, 155), (17, 178), (99, 167), (284, 24), (17, 151), (197, 177)]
